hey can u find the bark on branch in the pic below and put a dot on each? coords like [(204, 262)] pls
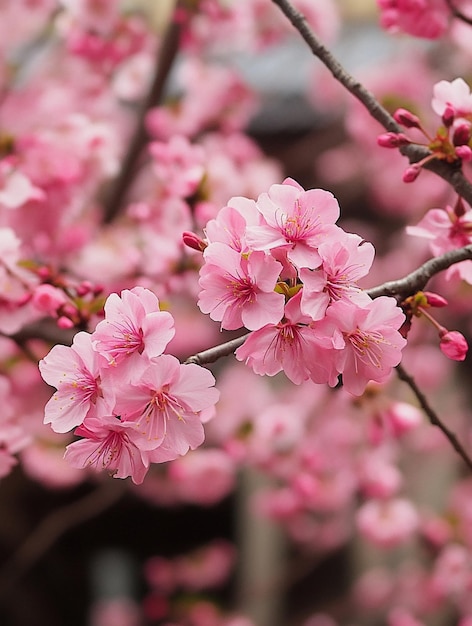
[(448, 171)]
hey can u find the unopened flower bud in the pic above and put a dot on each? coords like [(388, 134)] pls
[(65, 322), (434, 299), (453, 344), (406, 118), (411, 173), (392, 140), (464, 153), (448, 116), (194, 241), (461, 135), (84, 288)]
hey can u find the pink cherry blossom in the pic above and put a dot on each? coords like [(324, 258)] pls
[(163, 406), (345, 259), (133, 325), (454, 94), (238, 290), (387, 523), (108, 444), (229, 226), (204, 477), (446, 230), (74, 372), (372, 343), (16, 189), (178, 165), (48, 299), (427, 19), (291, 345), (296, 219)]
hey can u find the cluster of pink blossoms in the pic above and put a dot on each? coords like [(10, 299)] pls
[(132, 404), (284, 270)]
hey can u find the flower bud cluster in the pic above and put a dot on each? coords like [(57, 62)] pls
[(452, 101)]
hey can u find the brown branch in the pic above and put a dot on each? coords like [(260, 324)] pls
[(401, 288), (417, 280), (47, 330), (432, 415), (164, 62), (213, 354), (449, 172), (53, 527), (457, 13)]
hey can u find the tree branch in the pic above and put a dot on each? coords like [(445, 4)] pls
[(457, 13), (167, 53), (450, 172), (432, 415), (213, 354), (417, 280)]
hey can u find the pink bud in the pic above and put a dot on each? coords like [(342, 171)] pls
[(464, 153), (69, 310), (453, 344), (65, 322), (392, 140), (193, 241), (461, 134), (448, 116), (44, 272), (406, 118), (84, 288), (411, 173), (434, 299)]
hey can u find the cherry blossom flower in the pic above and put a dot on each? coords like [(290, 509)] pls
[(229, 226), (238, 290), (447, 229), (387, 523), (16, 189), (108, 444), (177, 165), (133, 326), (296, 219), (164, 404), (422, 19), (345, 259), (454, 94), (291, 345), (75, 374), (372, 343)]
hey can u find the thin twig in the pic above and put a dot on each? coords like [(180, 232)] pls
[(213, 354), (164, 63), (457, 13), (450, 172), (53, 527), (432, 415)]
